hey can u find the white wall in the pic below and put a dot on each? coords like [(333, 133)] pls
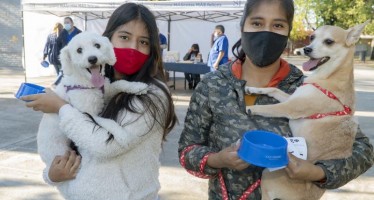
[(182, 35), (37, 27)]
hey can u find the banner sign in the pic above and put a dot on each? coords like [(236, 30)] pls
[(103, 6)]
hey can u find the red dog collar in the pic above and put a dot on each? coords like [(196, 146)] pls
[(347, 110)]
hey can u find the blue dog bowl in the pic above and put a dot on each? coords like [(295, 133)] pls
[(29, 89), (264, 149), (44, 64)]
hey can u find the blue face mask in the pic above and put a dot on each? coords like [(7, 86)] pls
[(67, 27)]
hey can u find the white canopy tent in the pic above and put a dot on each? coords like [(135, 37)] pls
[(184, 23)]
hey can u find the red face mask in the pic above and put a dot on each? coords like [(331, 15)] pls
[(129, 61)]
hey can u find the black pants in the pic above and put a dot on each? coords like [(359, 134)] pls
[(57, 68), (59, 74), (192, 79), (363, 56)]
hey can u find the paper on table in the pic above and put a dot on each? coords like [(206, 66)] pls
[(297, 146), (186, 61)]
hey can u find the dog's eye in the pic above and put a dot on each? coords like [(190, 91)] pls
[(329, 42), (312, 37), (97, 46), (79, 50)]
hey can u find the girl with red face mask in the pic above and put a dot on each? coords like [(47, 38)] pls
[(140, 122)]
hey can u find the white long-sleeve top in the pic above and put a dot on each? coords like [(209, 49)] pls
[(126, 168)]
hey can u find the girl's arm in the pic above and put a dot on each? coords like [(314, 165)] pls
[(193, 149), (93, 137), (341, 171), (92, 133), (187, 56), (46, 48)]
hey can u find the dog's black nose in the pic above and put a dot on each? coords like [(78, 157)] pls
[(307, 50), (92, 60)]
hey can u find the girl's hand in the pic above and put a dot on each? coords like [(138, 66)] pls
[(303, 169), (47, 103), (228, 158), (215, 65), (64, 167)]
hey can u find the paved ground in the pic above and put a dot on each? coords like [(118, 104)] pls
[(20, 166)]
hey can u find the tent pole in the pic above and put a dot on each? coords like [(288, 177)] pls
[(169, 22), (23, 57), (85, 21)]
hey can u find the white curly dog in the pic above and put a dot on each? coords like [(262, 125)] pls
[(85, 88)]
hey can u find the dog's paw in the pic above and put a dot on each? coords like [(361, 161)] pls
[(247, 90), (252, 90), (142, 88), (249, 112), (248, 109), (137, 88)]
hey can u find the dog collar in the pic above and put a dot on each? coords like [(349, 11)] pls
[(78, 87), (347, 110)]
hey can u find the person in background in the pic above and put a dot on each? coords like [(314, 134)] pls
[(218, 54), (52, 50), (66, 34), (193, 54), (69, 31), (363, 53), (140, 123), (163, 45), (216, 118), (163, 41)]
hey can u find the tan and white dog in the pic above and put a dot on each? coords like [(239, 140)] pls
[(321, 110)]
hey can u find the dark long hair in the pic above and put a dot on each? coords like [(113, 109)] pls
[(151, 73), (288, 7), (196, 46)]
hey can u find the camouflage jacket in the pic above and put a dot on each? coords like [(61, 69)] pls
[(216, 118)]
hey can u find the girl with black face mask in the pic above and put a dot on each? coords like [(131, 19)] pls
[(217, 119)]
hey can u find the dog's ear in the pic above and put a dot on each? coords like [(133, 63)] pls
[(65, 59), (111, 56), (354, 33)]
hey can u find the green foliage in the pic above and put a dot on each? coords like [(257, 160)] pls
[(300, 29), (342, 13)]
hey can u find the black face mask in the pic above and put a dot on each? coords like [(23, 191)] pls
[(263, 48)]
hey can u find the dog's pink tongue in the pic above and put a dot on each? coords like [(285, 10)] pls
[(310, 64), (96, 79)]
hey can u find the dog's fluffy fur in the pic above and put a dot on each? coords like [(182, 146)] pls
[(331, 137), (83, 61)]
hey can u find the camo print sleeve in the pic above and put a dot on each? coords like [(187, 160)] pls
[(341, 171), (196, 133)]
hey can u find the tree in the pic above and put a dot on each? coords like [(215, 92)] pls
[(343, 13), (301, 30)]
